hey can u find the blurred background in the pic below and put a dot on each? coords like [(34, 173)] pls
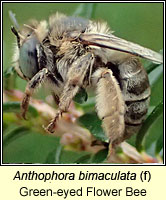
[(141, 23)]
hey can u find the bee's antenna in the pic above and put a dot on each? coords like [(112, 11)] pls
[(17, 35), (14, 20), (13, 29)]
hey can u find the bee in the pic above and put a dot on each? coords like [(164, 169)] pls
[(71, 53)]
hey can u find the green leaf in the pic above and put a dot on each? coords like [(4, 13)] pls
[(9, 78), (157, 90), (84, 159), (72, 156), (159, 144), (14, 134), (93, 124), (155, 74), (9, 72), (86, 10), (150, 66), (100, 156), (147, 124), (5, 125), (61, 156), (54, 156), (152, 136), (81, 96), (30, 148), (89, 105), (15, 107)]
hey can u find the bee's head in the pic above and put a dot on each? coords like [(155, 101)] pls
[(27, 42), (29, 37)]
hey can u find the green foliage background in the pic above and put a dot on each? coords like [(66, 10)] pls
[(141, 23)]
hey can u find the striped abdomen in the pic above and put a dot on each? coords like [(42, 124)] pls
[(134, 84)]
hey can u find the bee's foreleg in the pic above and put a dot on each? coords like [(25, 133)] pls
[(109, 104), (75, 79), (33, 84)]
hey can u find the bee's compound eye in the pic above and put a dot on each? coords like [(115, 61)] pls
[(28, 57)]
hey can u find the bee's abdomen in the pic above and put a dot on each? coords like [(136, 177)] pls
[(135, 115), (134, 84), (136, 92)]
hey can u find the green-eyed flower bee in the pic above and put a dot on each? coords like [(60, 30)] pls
[(71, 53)]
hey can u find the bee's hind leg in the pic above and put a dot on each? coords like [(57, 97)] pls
[(109, 104)]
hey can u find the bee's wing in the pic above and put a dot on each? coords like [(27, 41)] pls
[(113, 42)]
